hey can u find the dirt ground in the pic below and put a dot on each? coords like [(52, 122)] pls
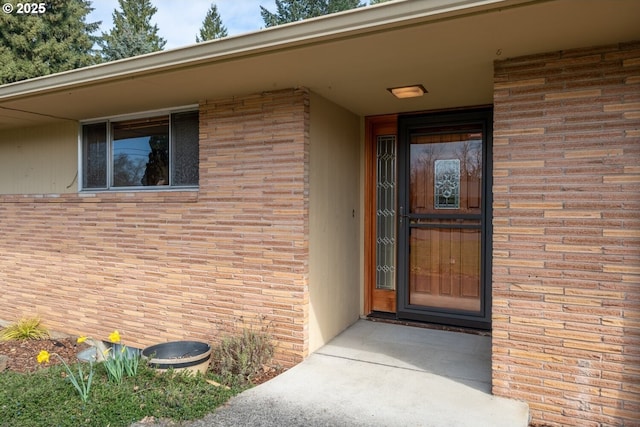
[(21, 355)]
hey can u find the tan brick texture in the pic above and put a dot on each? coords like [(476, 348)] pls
[(566, 247), (173, 265)]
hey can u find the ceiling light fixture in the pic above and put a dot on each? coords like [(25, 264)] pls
[(408, 91)]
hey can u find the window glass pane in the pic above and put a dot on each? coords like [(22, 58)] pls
[(446, 173), (185, 148), (141, 152), (447, 184), (94, 156)]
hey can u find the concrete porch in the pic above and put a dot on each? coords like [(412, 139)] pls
[(379, 374)]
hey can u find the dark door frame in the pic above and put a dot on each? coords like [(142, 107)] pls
[(407, 124)]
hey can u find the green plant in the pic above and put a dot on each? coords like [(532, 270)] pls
[(120, 362), (237, 359), (131, 364), (40, 399), (81, 384), (25, 329)]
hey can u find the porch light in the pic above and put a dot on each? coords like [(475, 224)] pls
[(408, 91)]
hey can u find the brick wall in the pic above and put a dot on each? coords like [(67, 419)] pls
[(175, 265), (566, 242)]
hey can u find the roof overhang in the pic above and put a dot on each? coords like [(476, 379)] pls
[(351, 58)]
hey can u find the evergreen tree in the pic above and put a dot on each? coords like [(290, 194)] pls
[(212, 27), (297, 10), (57, 40), (132, 33)]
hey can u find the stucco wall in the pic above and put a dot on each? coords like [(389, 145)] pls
[(170, 265), (39, 160), (334, 221), (566, 245)]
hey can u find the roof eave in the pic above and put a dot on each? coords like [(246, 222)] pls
[(344, 24)]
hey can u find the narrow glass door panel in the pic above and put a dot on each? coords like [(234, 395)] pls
[(386, 212), (445, 188), (381, 214)]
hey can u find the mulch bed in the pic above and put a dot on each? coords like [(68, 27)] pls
[(21, 355)]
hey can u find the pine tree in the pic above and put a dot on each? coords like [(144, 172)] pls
[(132, 33), (212, 27), (297, 10), (57, 40)]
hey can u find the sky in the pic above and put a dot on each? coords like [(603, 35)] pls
[(179, 21)]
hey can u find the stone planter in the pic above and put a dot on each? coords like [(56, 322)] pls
[(179, 355), (88, 355), (98, 354)]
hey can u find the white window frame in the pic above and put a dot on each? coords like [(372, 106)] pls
[(109, 120)]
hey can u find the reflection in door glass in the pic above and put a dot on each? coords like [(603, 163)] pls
[(446, 173), (445, 268), (445, 233)]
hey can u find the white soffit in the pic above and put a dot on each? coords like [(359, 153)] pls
[(349, 58)]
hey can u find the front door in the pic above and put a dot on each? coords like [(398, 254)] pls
[(443, 238)]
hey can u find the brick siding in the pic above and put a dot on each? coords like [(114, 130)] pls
[(566, 239), (173, 265)]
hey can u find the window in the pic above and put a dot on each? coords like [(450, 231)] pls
[(154, 151)]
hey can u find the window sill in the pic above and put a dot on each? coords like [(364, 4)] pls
[(142, 190), (154, 195), (173, 195)]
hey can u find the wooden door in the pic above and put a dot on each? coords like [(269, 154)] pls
[(442, 234), (444, 207)]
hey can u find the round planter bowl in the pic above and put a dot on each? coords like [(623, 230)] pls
[(179, 356)]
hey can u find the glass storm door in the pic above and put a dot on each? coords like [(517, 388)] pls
[(443, 265)]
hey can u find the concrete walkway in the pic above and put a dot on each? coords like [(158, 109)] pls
[(378, 374)]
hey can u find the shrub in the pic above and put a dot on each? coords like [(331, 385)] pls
[(25, 329), (238, 359)]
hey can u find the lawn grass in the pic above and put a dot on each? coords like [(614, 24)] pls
[(47, 398)]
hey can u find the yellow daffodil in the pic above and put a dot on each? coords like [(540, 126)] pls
[(114, 337), (43, 356), (81, 339)]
